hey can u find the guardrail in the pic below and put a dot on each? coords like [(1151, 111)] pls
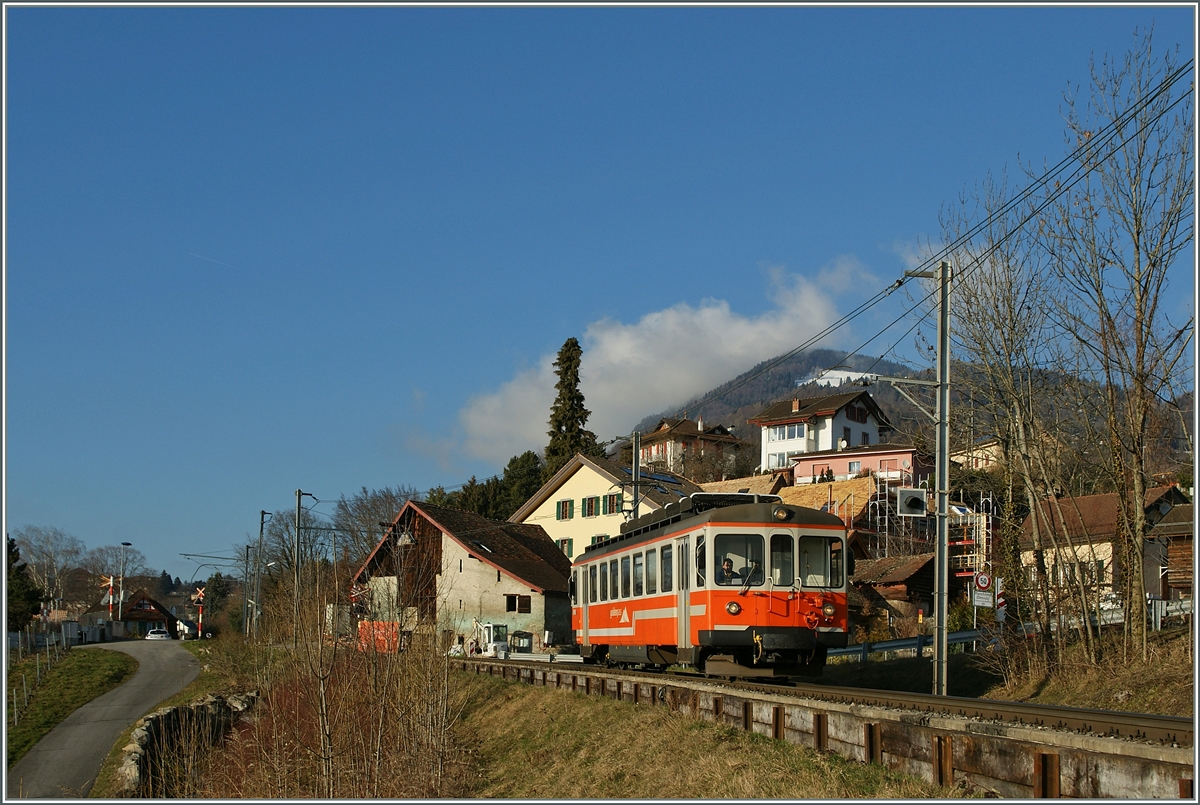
[(1156, 611)]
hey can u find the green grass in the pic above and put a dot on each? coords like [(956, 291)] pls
[(71, 683)]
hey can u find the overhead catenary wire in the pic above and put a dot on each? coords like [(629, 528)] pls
[(1092, 145)]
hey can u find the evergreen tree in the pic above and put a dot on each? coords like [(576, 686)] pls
[(23, 597), (568, 416), (522, 478)]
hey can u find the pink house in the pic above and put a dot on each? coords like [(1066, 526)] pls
[(895, 462)]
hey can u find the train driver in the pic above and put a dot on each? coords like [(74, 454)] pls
[(726, 575)]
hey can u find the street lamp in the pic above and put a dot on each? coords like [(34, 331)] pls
[(121, 600)]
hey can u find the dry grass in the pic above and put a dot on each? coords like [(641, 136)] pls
[(1163, 685), (537, 743)]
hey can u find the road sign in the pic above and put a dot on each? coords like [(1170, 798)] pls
[(983, 582), (983, 598), (1001, 604)]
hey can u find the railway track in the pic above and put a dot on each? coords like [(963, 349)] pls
[(1012, 749)]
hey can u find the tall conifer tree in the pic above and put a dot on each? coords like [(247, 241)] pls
[(568, 416)]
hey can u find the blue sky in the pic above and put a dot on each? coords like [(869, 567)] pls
[(255, 249)]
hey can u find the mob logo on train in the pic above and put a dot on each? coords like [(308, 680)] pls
[(734, 585)]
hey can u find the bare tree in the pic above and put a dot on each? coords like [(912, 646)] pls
[(49, 554), (111, 560), (1111, 241), (359, 519)]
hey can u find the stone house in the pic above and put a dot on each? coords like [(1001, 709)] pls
[(447, 569)]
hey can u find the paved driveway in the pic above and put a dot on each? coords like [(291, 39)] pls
[(65, 762)]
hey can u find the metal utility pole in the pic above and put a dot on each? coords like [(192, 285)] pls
[(296, 573), (637, 469), (262, 519), (296, 570), (121, 600), (942, 565), (941, 417)]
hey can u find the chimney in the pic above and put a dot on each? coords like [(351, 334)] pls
[(795, 404), (700, 423)]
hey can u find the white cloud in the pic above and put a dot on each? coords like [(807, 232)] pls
[(664, 359)]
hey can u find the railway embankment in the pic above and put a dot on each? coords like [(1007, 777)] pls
[(1025, 759)]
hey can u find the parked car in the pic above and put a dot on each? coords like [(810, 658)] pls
[(158, 634), (1111, 600)]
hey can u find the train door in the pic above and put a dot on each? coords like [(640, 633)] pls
[(683, 558), (587, 596)]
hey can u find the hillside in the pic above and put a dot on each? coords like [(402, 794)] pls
[(732, 403)]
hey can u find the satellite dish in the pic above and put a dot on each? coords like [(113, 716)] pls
[(907, 464)]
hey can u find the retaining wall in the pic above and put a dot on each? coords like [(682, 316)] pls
[(160, 759)]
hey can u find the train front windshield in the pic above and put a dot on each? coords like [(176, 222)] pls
[(822, 562)]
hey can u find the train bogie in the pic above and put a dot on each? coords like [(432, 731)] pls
[(734, 585)]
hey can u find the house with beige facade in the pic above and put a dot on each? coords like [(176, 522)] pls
[(589, 498), (1087, 537)]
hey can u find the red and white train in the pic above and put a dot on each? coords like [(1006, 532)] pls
[(655, 596)]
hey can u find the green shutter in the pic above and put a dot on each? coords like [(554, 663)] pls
[(620, 502), (604, 504), (558, 510), (570, 548), (570, 508)]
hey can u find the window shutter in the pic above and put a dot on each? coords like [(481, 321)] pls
[(604, 505), (620, 502), (570, 508), (570, 548)]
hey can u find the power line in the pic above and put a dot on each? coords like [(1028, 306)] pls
[(1097, 142)]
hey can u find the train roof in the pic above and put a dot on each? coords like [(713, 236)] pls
[(703, 507)]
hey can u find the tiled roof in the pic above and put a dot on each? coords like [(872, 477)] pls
[(687, 429), (522, 550), (781, 412), (1179, 522), (755, 485), (1093, 518), (890, 570), (856, 492)]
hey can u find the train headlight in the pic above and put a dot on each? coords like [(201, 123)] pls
[(733, 607), (781, 513), (827, 610)]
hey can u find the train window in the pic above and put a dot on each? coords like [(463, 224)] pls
[(651, 572), (624, 576), (666, 569), (783, 563), (700, 556), (592, 584), (821, 561), (746, 553), (603, 581), (637, 574), (612, 578), (573, 591)]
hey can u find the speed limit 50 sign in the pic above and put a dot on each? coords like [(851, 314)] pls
[(983, 582)]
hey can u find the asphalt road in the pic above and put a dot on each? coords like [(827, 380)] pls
[(64, 764)]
